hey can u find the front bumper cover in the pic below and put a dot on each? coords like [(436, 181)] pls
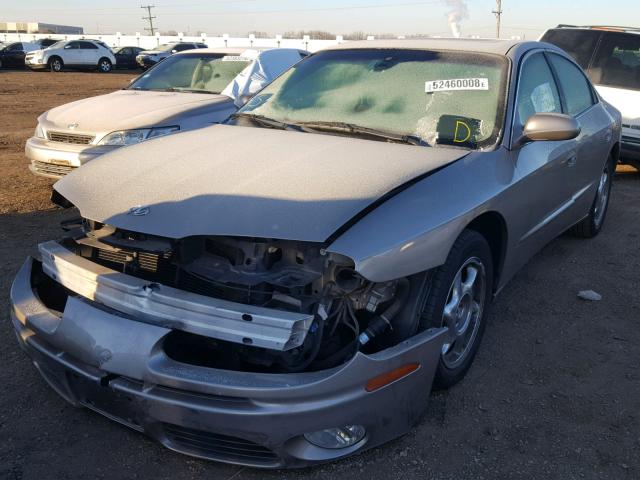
[(54, 160), (116, 365)]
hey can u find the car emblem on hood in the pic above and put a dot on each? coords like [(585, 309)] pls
[(73, 126), (139, 211)]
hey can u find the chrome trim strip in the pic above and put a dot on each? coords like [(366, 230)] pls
[(557, 212)]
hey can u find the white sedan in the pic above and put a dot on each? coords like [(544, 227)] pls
[(189, 90)]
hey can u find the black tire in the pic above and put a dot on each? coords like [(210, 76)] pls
[(470, 246), (104, 65), (592, 224), (55, 64)]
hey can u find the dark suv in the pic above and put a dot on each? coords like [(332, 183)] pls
[(611, 58)]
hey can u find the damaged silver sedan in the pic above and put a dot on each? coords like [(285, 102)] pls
[(286, 289)]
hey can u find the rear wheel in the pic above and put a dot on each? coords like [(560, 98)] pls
[(592, 224), (459, 294), (55, 64), (104, 65)]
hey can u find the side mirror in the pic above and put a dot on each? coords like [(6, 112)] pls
[(174, 51), (551, 127)]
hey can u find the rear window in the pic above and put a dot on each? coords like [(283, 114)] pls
[(617, 62), (88, 46), (580, 44)]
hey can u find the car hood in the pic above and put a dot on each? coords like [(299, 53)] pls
[(127, 109), (627, 101), (243, 181)]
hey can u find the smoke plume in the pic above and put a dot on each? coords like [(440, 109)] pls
[(458, 12)]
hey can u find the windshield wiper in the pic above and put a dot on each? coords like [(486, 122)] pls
[(350, 128), (267, 122)]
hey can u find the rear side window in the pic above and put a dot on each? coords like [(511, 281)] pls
[(580, 44), (87, 46), (537, 91), (617, 62), (575, 86)]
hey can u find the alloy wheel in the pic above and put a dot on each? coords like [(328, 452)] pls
[(463, 311), (602, 197)]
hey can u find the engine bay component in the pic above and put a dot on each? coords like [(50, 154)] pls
[(260, 304)]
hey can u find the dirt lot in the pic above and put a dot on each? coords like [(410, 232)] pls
[(554, 392)]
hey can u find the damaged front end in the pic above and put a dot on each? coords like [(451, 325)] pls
[(241, 304), (267, 353)]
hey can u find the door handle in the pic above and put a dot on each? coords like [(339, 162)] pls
[(572, 159)]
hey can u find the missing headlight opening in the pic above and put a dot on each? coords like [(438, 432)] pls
[(347, 313)]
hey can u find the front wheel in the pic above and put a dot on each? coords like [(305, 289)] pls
[(591, 225), (55, 64), (104, 65), (459, 294)]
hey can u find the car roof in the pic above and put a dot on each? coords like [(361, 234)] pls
[(226, 50), (604, 28), (235, 50), (480, 45)]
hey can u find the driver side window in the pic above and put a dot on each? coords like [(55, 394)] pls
[(537, 91)]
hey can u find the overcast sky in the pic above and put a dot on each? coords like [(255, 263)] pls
[(214, 17)]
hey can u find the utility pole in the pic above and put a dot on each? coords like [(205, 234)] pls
[(498, 13), (148, 8)]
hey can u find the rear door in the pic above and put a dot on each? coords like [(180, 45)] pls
[(89, 53), (593, 143)]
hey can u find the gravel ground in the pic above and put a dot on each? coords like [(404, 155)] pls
[(554, 391)]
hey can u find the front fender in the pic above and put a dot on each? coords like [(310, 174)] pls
[(414, 231)]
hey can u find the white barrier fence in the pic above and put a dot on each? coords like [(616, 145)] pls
[(149, 42)]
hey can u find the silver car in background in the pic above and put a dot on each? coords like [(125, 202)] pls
[(148, 58), (285, 289), (187, 91)]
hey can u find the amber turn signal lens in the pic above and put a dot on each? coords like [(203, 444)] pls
[(385, 379)]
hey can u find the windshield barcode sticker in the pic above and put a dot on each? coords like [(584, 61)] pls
[(457, 84), (235, 58)]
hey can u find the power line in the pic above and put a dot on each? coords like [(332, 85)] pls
[(150, 17), (498, 13)]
